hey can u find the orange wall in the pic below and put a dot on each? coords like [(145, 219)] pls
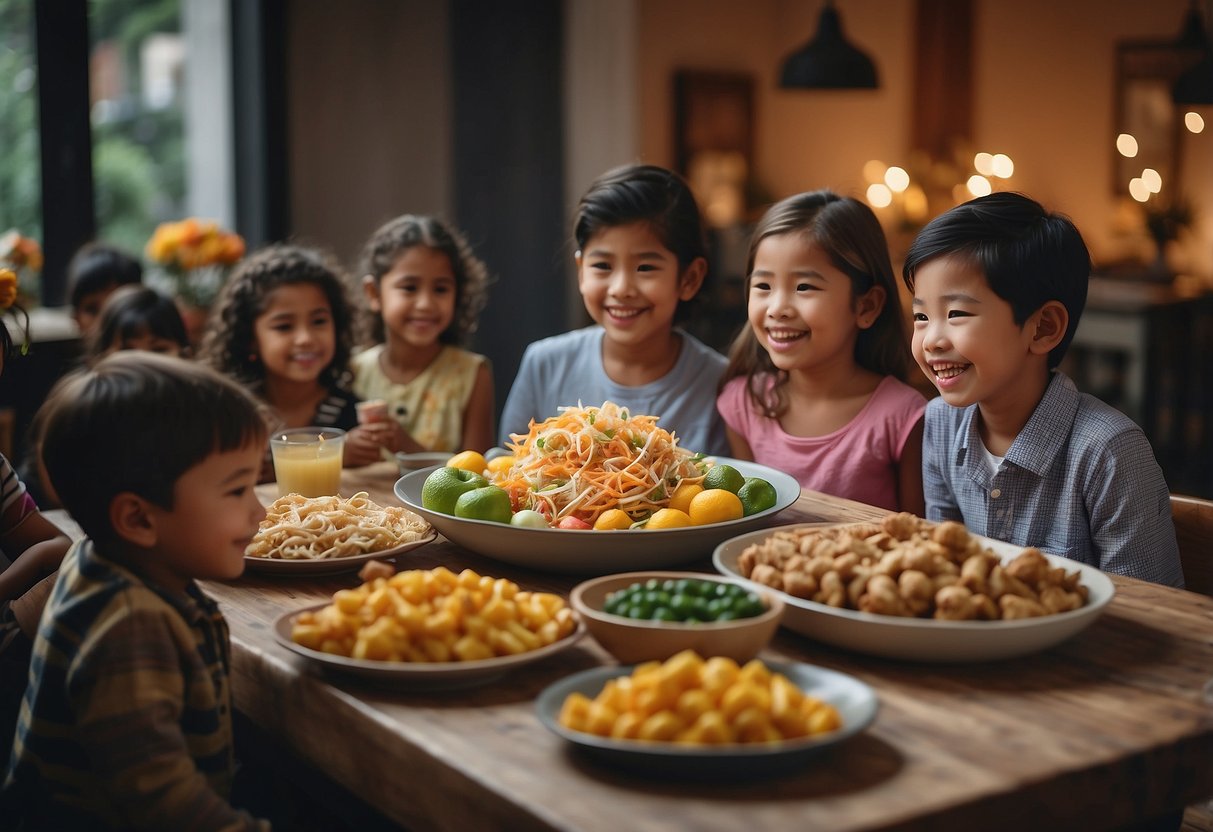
[(1043, 94)]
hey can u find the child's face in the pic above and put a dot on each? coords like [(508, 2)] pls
[(631, 284), (89, 310), (800, 305), (966, 340), (214, 517), (295, 337), (416, 298), (149, 342)]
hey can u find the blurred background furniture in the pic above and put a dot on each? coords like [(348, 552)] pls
[(1194, 529)]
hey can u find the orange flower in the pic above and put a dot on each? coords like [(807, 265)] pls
[(8, 288)]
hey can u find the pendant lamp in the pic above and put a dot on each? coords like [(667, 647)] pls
[(828, 61), (1195, 86)]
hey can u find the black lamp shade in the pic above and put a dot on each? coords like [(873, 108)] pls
[(828, 61), (1196, 85)]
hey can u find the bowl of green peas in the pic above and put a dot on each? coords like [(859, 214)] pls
[(650, 616)]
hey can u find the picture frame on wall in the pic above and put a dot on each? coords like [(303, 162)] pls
[(714, 140)]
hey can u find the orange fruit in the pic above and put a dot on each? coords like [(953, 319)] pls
[(668, 518), (681, 498), (469, 461), (615, 518), (716, 505), (500, 464)]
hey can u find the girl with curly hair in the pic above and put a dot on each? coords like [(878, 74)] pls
[(425, 289), (282, 326)]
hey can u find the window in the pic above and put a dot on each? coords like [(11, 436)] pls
[(20, 171)]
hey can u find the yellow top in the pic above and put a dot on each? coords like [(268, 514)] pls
[(431, 406)]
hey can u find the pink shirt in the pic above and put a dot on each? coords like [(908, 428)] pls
[(856, 461)]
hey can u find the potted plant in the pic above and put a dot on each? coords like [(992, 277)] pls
[(191, 259), (23, 256)]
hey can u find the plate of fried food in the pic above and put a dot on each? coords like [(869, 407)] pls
[(707, 717), (573, 472), (329, 535), (905, 588), (431, 628)]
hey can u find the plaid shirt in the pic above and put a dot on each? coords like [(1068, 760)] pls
[(127, 718), (1080, 480)]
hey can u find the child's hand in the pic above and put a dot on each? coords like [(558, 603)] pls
[(365, 443)]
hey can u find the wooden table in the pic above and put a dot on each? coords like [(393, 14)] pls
[(1112, 726)]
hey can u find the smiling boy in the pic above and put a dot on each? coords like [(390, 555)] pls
[(126, 721), (1010, 447)]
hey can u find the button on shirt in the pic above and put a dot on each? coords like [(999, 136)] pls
[(1080, 480)]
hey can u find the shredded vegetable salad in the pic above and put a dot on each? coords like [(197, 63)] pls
[(588, 460)]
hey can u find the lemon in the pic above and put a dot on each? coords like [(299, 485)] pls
[(500, 464), (722, 476), (615, 518), (757, 495), (469, 461), (681, 498), (668, 518), (715, 505)]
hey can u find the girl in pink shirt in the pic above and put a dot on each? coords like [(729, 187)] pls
[(816, 383)]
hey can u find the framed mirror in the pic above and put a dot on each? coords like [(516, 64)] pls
[(1145, 72)]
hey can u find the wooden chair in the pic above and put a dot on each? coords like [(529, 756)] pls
[(1193, 519)]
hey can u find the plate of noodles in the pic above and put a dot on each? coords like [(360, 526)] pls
[(328, 535), (586, 461)]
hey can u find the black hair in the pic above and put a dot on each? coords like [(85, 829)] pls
[(229, 343), (395, 237), (1028, 255), (97, 266), (850, 234), (133, 311), (136, 422), (652, 195)]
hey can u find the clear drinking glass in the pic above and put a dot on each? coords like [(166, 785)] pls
[(307, 461)]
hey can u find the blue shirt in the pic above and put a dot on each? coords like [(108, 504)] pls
[(1080, 480), (565, 369)]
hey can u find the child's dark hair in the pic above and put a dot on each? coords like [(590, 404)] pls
[(96, 266), (132, 312), (1028, 255), (229, 345), (851, 236), (648, 194), (136, 422), (397, 236)]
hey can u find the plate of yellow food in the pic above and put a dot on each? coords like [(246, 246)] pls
[(329, 535), (694, 717), (431, 628), (904, 588), (596, 490)]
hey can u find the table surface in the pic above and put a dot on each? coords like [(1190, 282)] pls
[(1112, 726)]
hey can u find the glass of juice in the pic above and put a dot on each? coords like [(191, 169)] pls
[(307, 461)]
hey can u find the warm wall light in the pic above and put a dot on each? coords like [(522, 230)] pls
[(828, 61), (1127, 145), (978, 185), (1194, 122), (1152, 180), (879, 195)]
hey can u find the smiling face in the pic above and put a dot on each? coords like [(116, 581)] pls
[(214, 517), (800, 305), (416, 297), (966, 340), (631, 284), (295, 337)]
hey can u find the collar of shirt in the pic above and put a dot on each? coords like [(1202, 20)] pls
[(194, 606), (1040, 442)]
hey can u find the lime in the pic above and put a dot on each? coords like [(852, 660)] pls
[(757, 495), (444, 487), (723, 476), (486, 503)]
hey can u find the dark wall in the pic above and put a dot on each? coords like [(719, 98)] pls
[(508, 163)]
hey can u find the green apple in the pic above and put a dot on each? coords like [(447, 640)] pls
[(485, 503), (529, 519), (443, 488)]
